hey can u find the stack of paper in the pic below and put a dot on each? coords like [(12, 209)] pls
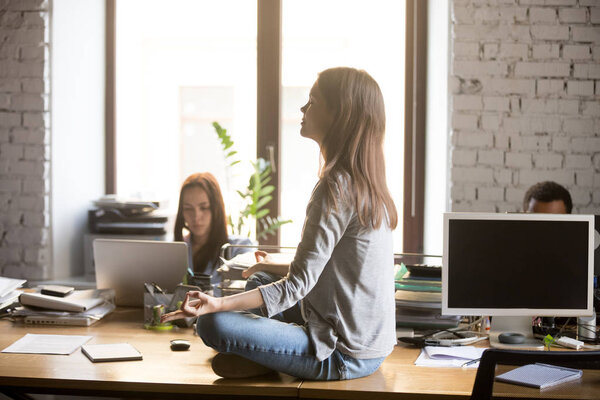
[(8, 292), (540, 375), (458, 356)]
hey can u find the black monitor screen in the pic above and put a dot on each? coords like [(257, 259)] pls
[(505, 264)]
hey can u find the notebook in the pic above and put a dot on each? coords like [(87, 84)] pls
[(124, 265), (540, 375), (111, 352)]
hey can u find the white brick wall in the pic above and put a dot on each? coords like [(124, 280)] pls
[(525, 101), (24, 132)]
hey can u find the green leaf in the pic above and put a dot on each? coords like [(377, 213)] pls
[(262, 213), (267, 190), (233, 163), (263, 201), (231, 153)]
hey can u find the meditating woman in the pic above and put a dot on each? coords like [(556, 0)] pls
[(201, 223), (342, 271)]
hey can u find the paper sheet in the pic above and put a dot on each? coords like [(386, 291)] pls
[(436, 356), (47, 344)]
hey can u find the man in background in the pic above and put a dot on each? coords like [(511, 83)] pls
[(547, 197)]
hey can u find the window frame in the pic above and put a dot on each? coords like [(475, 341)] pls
[(269, 110)]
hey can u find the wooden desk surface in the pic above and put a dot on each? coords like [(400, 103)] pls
[(164, 373)]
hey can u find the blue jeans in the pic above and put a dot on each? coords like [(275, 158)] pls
[(278, 344)]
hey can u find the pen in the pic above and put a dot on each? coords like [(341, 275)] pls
[(157, 288), (471, 362)]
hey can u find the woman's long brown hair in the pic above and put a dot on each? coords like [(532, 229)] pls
[(218, 225), (354, 143)]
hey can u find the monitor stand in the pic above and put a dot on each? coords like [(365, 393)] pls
[(520, 325)]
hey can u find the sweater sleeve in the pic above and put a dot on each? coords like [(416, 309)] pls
[(323, 229)]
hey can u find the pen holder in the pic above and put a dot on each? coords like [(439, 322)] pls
[(155, 304)]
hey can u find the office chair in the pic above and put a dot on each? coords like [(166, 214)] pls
[(484, 380)]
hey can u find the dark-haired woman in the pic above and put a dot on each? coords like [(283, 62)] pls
[(202, 224), (342, 272)]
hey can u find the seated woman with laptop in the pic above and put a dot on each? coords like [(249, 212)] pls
[(201, 223)]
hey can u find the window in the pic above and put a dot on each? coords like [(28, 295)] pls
[(194, 62)]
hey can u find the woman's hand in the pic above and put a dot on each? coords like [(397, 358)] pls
[(195, 304), (264, 262)]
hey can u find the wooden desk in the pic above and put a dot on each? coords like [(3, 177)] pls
[(167, 374)]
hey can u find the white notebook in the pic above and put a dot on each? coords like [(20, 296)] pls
[(540, 375), (111, 352)]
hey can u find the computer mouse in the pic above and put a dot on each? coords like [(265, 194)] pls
[(511, 338), (180, 344)]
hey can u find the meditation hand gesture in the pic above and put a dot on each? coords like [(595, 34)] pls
[(195, 304)]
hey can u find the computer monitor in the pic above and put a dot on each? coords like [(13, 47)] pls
[(517, 266)]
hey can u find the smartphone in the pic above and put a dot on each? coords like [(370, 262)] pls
[(57, 290)]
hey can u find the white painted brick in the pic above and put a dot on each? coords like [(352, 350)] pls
[(32, 53), (550, 86), (490, 51), (532, 125), (515, 104), (464, 121), (34, 186), (590, 71), (10, 151), (10, 119), (33, 120), (495, 103), (479, 68), (595, 14), (530, 143), (578, 161), (550, 32), (33, 19), (28, 136), (528, 177), (4, 135), (542, 161), (520, 33), (33, 86), (26, 236), (501, 141), (39, 255), (541, 69), (549, 106), (560, 2), (580, 196), (546, 51), (4, 101), (532, 2), (568, 107), (34, 152), (591, 108), (597, 88), (462, 15), (596, 52), (467, 102), (578, 126), (509, 86), (27, 168), (596, 161), (477, 139), (580, 88), (26, 36), (572, 15), (513, 50), (10, 254), (459, 206), (577, 52), (8, 51), (490, 157), (490, 122), (585, 144), (466, 49), (537, 14), (596, 181), (586, 34), (472, 175), (33, 220), (10, 185), (503, 176), (464, 157), (584, 178), (490, 194), (515, 195), (9, 86), (518, 160), (454, 84), (28, 5), (27, 102), (29, 203)]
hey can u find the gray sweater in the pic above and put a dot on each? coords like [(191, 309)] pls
[(343, 273)]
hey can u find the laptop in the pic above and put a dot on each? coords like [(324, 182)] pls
[(125, 265)]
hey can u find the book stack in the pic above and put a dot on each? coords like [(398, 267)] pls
[(8, 291), (419, 298)]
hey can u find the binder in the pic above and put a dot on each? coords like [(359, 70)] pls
[(540, 375)]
